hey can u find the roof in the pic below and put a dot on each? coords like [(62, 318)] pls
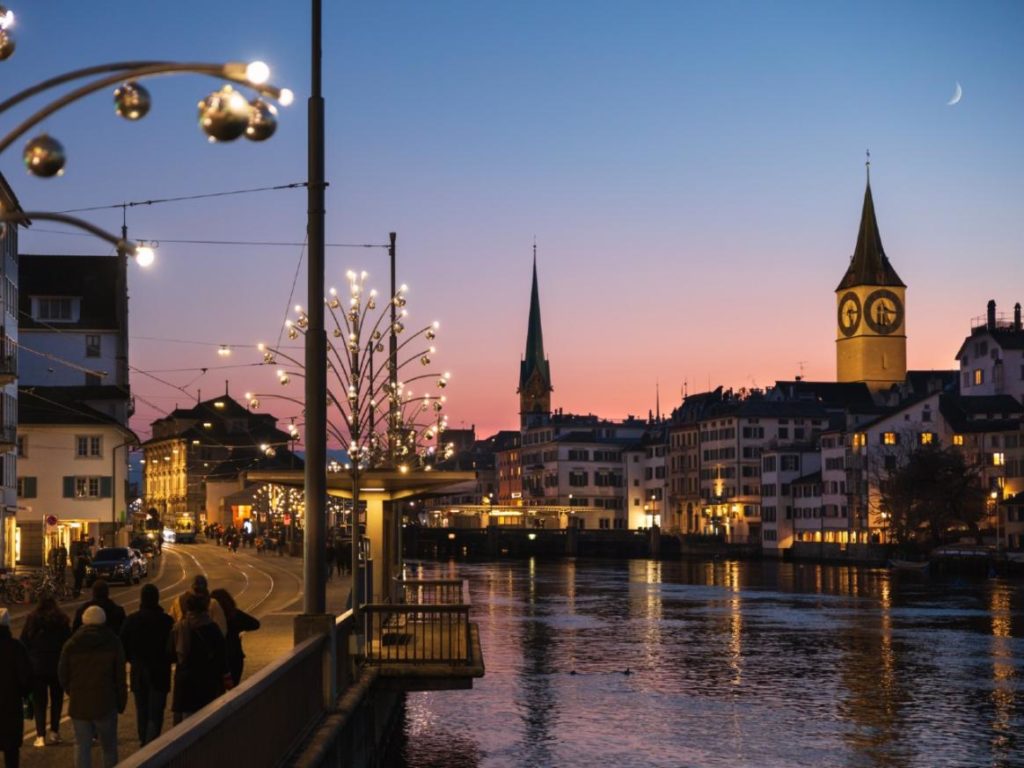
[(7, 196), (869, 265), (52, 406), (984, 413), (813, 477), (182, 423), (847, 395), (92, 278), (231, 468), (534, 359), (1006, 336)]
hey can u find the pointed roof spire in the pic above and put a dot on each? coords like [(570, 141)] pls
[(869, 265), (534, 359)]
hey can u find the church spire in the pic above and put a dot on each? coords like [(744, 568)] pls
[(869, 265), (534, 373)]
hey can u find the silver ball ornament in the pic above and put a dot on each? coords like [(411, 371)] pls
[(262, 120), (131, 101), (224, 115), (44, 156)]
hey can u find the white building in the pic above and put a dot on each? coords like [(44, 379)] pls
[(992, 357), (8, 380)]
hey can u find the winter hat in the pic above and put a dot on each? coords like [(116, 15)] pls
[(94, 615), (5, 618)]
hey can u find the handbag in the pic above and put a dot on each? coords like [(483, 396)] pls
[(27, 710)]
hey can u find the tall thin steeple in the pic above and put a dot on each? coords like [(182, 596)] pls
[(534, 372), (869, 265)]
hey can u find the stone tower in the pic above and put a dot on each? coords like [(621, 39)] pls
[(871, 330), (534, 373)]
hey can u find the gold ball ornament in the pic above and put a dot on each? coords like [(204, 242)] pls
[(44, 156)]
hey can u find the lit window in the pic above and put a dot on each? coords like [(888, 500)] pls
[(979, 376), (927, 438), (859, 439), (958, 439), (998, 459), (889, 438)]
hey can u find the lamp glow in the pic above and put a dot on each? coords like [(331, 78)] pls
[(286, 97), (257, 72), (144, 256)]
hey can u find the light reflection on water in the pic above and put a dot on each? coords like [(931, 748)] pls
[(729, 664)]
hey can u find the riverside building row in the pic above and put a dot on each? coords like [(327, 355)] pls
[(798, 461)]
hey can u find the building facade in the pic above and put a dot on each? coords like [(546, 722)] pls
[(10, 544)]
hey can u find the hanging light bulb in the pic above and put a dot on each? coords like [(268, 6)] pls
[(44, 157), (131, 101)]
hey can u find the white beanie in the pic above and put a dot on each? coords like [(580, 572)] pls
[(5, 618), (94, 615)]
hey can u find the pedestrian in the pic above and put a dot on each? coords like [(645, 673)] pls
[(113, 612), (80, 567), (329, 559), (46, 630), (145, 637), (238, 622), (200, 587), (62, 563), (200, 658), (15, 685), (91, 670), (345, 560), (280, 546)]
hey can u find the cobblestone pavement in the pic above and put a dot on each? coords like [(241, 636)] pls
[(267, 586)]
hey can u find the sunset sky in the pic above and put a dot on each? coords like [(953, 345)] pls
[(692, 172)]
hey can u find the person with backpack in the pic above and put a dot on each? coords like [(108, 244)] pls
[(145, 635), (200, 658), (238, 622), (46, 631)]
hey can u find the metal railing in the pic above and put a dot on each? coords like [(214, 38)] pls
[(430, 625)]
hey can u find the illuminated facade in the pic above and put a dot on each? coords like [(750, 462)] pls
[(9, 537), (871, 328)]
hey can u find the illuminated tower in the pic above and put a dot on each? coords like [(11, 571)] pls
[(534, 373), (871, 331)]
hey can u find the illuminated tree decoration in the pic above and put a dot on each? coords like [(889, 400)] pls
[(378, 424)]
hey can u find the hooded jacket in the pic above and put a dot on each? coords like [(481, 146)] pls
[(43, 635), (91, 670), (145, 636)]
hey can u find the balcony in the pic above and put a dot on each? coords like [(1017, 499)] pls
[(8, 437), (424, 642), (8, 358)]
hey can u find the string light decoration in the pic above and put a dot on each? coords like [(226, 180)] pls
[(372, 413)]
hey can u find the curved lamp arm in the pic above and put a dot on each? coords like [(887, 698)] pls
[(233, 71), (127, 247)]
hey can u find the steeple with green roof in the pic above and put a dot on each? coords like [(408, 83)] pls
[(534, 372)]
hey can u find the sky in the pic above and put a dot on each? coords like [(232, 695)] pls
[(692, 175)]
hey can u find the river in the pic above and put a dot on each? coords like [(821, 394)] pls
[(648, 663)]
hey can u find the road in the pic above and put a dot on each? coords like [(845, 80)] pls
[(267, 586)]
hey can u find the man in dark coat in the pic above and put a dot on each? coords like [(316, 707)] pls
[(101, 598), (91, 670), (15, 684), (145, 636), (46, 630), (80, 565)]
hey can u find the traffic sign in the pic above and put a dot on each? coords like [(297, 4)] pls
[(51, 519)]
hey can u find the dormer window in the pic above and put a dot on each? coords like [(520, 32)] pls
[(56, 309)]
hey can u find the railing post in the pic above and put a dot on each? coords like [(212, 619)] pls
[(311, 625)]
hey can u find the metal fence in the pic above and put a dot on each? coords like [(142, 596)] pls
[(429, 626), (433, 591)]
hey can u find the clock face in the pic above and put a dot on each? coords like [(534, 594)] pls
[(849, 313), (883, 312)]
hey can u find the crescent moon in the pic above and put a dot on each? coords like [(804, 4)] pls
[(957, 95)]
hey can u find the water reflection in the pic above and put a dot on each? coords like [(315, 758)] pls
[(729, 664)]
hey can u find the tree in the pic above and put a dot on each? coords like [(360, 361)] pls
[(931, 492)]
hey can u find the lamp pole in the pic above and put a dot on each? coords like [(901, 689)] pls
[(314, 588)]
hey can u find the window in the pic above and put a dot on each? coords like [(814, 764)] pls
[(54, 309), (22, 447), (998, 459), (783, 433), (927, 438), (859, 439), (768, 463), (979, 376), (92, 345), (577, 454), (890, 463), (88, 446), (790, 463), (87, 487), (577, 478), (958, 439), (26, 487), (890, 438)]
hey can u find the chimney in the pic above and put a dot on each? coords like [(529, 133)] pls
[(1016, 316), (992, 314)]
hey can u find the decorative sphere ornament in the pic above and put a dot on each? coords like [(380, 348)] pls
[(6, 45), (224, 114), (44, 156), (262, 120), (131, 101)]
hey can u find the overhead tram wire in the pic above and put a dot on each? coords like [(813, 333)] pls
[(183, 198), (267, 243)]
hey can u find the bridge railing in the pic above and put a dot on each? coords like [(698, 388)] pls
[(433, 591), (429, 626)]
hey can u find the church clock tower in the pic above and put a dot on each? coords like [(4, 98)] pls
[(871, 331), (534, 373)]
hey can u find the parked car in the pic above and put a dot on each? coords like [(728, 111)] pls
[(113, 564), (144, 544), (143, 562)]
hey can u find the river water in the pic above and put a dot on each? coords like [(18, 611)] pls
[(646, 663)]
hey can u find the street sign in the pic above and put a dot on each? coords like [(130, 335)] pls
[(51, 519)]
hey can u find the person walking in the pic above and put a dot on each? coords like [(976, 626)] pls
[(91, 670), (81, 565), (238, 622), (15, 685), (145, 636), (113, 612), (62, 564), (200, 658), (46, 630), (329, 559), (202, 588)]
